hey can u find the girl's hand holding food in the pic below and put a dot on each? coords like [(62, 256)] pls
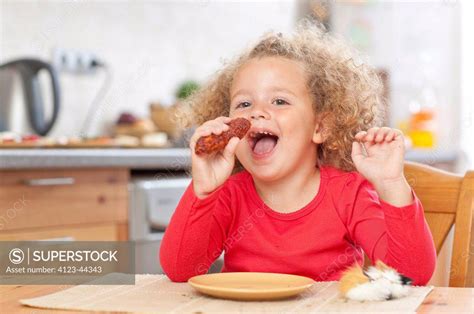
[(382, 163), (213, 146)]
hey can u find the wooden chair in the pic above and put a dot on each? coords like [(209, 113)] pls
[(448, 199)]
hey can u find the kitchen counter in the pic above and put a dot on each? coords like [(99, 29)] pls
[(145, 158)]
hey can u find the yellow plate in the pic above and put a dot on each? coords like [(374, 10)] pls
[(250, 285)]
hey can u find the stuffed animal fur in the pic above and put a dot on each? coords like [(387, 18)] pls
[(377, 283)]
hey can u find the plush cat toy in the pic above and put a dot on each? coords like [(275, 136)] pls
[(377, 283)]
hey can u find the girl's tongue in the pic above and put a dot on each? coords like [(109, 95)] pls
[(264, 145)]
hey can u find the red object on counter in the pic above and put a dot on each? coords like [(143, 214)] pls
[(320, 240), (30, 138), (126, 118)]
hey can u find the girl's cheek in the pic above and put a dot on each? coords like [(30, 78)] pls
[(234, 114)]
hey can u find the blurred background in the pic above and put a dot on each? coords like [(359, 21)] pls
[(115, 57), (89, 148)]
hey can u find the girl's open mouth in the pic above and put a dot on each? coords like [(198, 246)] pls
[(262, 143)]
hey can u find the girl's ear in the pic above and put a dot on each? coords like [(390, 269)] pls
[(319, 134)]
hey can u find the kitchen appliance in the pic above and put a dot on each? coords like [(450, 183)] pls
[(12, 116), (153, 201)]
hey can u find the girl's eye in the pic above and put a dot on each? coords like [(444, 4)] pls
[(244, 104), (280, 101)]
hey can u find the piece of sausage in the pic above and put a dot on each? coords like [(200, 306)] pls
[(214, 143)]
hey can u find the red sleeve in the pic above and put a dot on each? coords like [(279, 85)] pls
[(195, 237), (398, 236)]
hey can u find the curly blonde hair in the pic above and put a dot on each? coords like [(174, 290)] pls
[(347, 93)]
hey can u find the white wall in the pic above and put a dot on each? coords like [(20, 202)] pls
[(151, 46), (467, 75), (418, 42)]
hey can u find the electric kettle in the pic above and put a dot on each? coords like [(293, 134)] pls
[(28, 70)]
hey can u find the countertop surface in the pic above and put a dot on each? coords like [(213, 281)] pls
[(145, 158)]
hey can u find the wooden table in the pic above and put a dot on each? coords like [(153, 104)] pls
[(441, 299)]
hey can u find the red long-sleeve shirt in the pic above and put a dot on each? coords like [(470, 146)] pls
[(320, 240)]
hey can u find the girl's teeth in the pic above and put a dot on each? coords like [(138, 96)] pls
[(262, 132)]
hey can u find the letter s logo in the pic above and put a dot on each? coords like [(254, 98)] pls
[(16, 256)]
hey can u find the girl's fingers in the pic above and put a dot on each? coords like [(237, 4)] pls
[(201, 131), (209, 127), (377, 135), (219, 124), (390, 136), (230, 148), (381, 134), (212, 129), (357, 152), (366, 136), (360, 135), (217, 121), (371, 134), (216, 126), (398, 134), (394, 134), (223, 119)]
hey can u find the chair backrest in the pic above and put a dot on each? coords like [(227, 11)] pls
[(448, 199)]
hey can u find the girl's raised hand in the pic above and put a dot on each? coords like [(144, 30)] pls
[(383, 160), (210, 171)]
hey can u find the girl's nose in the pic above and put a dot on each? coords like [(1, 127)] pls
[(259, 113)]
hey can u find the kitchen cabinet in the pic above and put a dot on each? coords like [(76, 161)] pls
[(78, 204)]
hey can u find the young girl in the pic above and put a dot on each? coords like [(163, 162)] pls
[(315, 183)]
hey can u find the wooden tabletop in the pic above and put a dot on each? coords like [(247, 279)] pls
[(441, 299)]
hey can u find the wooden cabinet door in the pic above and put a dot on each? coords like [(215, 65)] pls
[(57, 198)]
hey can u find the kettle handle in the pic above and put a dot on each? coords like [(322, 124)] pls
[(29, 69)]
